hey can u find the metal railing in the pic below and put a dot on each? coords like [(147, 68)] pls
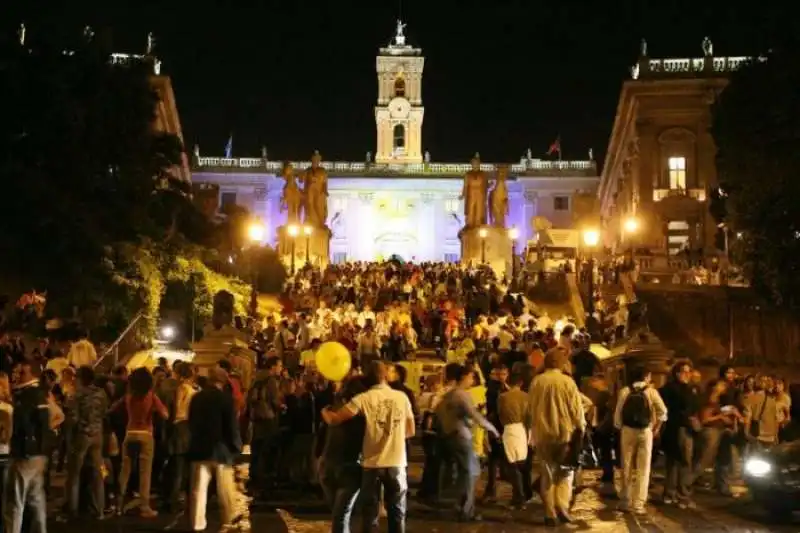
[(113, 350)]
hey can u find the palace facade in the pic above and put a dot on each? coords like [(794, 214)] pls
[(660, 163), (399, 202)]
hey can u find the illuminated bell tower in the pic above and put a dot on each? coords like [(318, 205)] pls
[(398, 115)]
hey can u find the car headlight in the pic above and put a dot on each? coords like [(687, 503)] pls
[(757, 467)]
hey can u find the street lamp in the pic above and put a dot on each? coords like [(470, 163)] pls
[(591, 237), (631, 225), (255, 232), (307, 230), (513, 234), (483, 233), (293, 232)]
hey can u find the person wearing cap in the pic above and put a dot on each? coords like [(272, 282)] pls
[(557, 422)]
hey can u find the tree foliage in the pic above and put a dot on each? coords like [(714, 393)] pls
[(756, 126), (95, 212)]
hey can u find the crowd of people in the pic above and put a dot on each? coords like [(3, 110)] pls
[(130, 440)]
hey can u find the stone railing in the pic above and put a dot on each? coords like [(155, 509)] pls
[(127, 59), (349, 167), (696, 194), (699, 66)]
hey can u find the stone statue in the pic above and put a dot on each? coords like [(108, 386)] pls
[(591, 154), (474, 195), (427, 157), (498, 198), (151, 44), (88, 33), (223, 309), (643, 50), (369, 157), (399, 37), (197, 151), (315, 189), (708, 47), (292, 197), (529, 155), (264, 153), (21, 34)]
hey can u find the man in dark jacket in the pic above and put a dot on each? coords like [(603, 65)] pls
[(30, 439), (214, 444)]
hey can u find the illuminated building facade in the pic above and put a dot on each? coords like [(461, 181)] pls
[(660, 165), (399, 202)]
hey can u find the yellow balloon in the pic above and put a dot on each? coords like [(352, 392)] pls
[(333, 361)]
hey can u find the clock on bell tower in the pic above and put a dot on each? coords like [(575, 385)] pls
[(399, 113)]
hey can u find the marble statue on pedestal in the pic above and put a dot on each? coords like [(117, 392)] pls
[(292, 197), (315, 189), (498, 198), (474, 194)]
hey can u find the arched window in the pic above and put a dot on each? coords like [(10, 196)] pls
[(399, 137), (399, 87)]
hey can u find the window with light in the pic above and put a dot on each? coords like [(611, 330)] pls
[(451, 205), (399, 137), (399, 87), (677, 173)]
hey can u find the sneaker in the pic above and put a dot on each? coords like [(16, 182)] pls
[(148, 512), (687, 504)]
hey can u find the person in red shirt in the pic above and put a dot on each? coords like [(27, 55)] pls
[(141, 404)]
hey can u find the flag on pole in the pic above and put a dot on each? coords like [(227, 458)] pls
[(555, 147), (229, 148)]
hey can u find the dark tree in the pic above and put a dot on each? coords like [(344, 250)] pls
[(83, 168), (756, 126)]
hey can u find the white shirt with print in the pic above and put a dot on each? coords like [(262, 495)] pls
[(387, 412)]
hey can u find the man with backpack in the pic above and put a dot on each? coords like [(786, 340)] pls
[(639, 415), (30, 440)]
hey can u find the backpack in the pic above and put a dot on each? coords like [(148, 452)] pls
[(636, 409)]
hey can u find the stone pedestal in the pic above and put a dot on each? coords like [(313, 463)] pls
[(315, 247), (493, 250)]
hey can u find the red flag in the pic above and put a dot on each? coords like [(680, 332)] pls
[(555, 147)]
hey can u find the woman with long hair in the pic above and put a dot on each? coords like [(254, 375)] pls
[(141, 404)]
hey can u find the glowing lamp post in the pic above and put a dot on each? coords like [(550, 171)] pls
[(307, 230), (294, 230), (591, 237), (631, 225), (255, 232), (483, 233), (513, 234)]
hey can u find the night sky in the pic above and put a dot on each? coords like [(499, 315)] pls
[(500, 76)]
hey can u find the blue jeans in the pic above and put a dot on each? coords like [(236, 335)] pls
[(25, 488), (395, 490), (341, 484), (468, 470)]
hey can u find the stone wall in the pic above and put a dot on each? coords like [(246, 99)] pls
[(713, 322)]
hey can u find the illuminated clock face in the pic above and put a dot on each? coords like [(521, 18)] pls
[(399, 108)]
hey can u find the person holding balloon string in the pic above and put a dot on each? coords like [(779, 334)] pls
[(389, 423)]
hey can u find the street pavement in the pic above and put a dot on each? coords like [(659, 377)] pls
[(594, 510)]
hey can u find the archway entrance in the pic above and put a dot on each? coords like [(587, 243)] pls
[(400, 246)]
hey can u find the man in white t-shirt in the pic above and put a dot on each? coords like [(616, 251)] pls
[(390, 421)]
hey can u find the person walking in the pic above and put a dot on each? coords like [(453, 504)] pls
[(639, 415), (557, 427)]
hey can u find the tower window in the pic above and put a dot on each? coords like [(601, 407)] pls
[(399, 137), (399, 87), (677, 173)]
